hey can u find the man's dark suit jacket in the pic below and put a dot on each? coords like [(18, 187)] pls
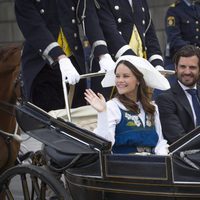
[(175, 113)]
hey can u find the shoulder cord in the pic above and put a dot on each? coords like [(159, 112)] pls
[(81, 21), (149, 24), (96, 4)]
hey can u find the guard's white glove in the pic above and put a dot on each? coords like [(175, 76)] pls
[(106, 63), (68, 71), (159, 67)]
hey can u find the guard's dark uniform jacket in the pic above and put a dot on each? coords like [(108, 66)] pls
[(98, 45), (40, 22), (182, 23), (117, 18), (92, 28)]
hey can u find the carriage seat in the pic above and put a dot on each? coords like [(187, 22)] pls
[(84, 116)]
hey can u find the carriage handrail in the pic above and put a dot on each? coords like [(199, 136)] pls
[(90, 75), (65, 90)]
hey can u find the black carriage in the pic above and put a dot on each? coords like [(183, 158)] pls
[(93, 172)]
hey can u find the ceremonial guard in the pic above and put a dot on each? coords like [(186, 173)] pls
[(128, 29), (182, 24), (52, 49)]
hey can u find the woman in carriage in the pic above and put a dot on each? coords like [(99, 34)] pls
[(130, 120)]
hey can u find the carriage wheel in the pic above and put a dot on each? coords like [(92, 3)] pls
[(30, 182)]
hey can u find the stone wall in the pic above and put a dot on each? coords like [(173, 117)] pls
[(9, 31), (158, 10)]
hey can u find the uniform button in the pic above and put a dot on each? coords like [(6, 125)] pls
[(145, 48), (143, 9), (37, 0), (143, 34), (73, 9), (120, 32), (76, 48), (73, 21), (116, 7), (187, 21), (143, 22), (197, 29), (119, 20), (42, 11), (197, 37), (197, 22), (75, 35), (40, 50)]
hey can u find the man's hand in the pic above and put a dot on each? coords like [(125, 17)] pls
[(106, 63), (68, 71)]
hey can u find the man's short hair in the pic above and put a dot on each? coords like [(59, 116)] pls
[(187, 51)]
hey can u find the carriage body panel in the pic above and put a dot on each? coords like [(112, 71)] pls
[(133, 177), (98, 174)]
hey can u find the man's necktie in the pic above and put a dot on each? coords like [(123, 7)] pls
[(196, 104)]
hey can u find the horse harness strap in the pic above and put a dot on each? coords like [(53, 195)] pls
[(7, 140), (10, 109)]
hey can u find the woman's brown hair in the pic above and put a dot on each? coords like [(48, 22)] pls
[(143, 94)]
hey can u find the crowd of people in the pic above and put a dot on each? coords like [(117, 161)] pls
[(122, 40)]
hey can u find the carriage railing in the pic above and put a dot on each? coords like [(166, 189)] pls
[(68, 95)]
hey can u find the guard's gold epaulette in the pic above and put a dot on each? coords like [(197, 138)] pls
[(175, 3)]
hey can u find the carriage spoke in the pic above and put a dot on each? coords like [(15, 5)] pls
[(35, 187), (43, 191), (25, 187), (35, 183), (8, 192), (40, 188)]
